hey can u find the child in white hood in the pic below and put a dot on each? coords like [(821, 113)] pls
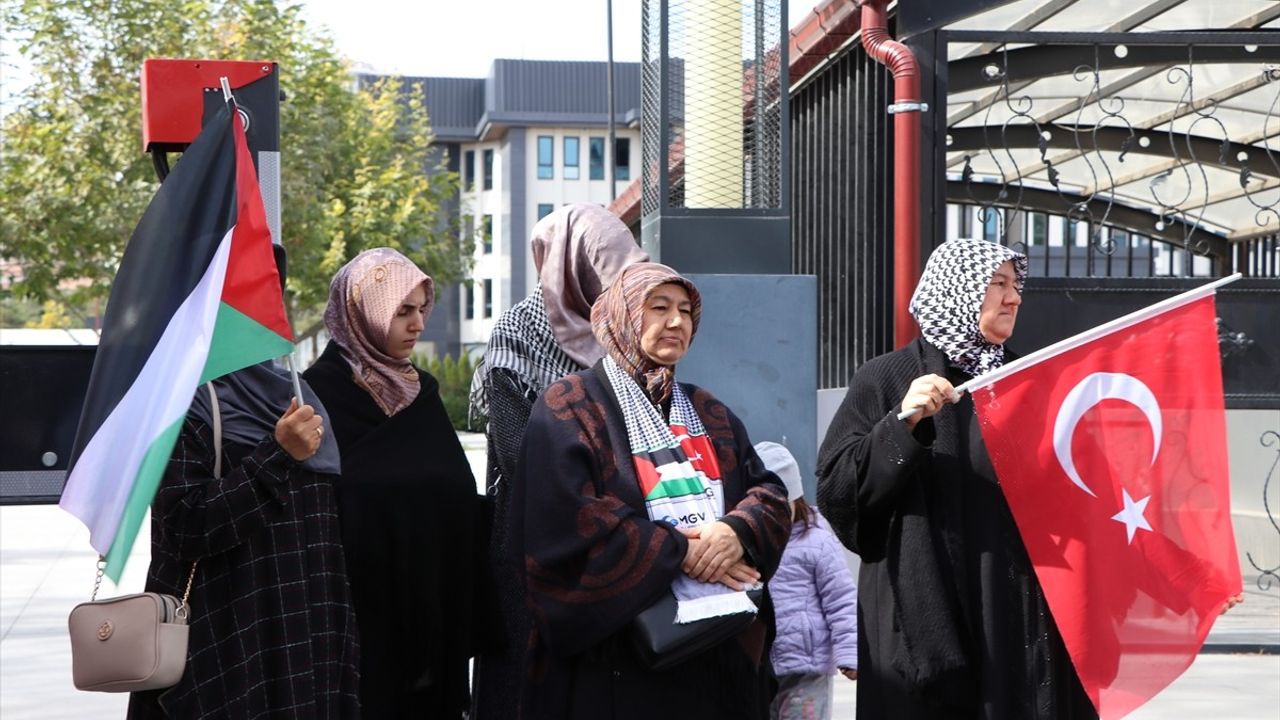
[(815, 601)]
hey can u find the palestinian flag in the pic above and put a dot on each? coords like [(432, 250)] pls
[(197, 296)]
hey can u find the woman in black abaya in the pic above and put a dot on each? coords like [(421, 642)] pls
[(407, 500)]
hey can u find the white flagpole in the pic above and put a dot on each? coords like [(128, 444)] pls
[(1061, 346), (293, 372)]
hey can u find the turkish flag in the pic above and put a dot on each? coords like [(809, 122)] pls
[(1113, 458)]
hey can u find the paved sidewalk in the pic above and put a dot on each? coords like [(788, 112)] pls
[(46, 567)]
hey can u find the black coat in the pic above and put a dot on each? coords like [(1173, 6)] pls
[(272, 631), (594, 560), (951, 620), (414, 542), (498, 673)]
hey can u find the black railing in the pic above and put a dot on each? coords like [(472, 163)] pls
[(842, 204)]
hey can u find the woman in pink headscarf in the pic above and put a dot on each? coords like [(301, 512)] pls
[(578, 250), (407, 500), (633, 488)]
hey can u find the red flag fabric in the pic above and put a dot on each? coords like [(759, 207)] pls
[(1112, 456)]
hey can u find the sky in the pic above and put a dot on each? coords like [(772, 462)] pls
[(461, 39), (450, 38)]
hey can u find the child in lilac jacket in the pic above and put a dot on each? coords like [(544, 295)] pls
[(815, 601)]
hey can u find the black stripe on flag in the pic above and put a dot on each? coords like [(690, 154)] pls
[(165, 259)]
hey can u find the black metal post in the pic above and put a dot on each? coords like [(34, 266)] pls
[(612, 150)]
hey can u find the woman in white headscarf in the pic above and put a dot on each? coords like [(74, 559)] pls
[(952, 621)]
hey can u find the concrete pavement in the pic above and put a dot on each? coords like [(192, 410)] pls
[(46, 567)]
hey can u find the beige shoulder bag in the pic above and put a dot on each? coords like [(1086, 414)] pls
[(135, 642)]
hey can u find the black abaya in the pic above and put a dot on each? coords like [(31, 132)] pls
[(951, 620), (413, 536)]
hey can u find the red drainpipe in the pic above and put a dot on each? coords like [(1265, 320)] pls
[(906, 162)]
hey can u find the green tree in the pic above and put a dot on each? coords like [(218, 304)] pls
[(454, 375), (52, 315), (358, 169)]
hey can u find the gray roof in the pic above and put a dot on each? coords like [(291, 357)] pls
[(526, 93), (454, 105)]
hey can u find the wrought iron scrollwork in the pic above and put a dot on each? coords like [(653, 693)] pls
[(1270, 74), (1268, 576), (1232, 342), (1196, 130)]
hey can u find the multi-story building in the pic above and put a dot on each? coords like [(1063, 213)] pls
[(526, 139)]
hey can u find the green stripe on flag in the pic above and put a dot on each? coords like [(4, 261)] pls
[(140, 496), (676, 487), (238, 342)]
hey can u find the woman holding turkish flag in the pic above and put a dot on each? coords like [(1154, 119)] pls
[(952, 621)]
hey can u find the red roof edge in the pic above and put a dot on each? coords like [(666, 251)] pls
[(823, 31)]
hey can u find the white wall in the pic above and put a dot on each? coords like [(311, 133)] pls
[(496, 265)]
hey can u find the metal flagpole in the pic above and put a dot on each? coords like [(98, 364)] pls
[(612, 149)]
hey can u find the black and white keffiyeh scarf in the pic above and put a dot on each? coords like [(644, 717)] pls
[(948, 300), (680, 480), (522, 341)]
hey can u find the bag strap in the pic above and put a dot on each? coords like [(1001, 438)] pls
[(185, 609), (217, 431), (217, 474)]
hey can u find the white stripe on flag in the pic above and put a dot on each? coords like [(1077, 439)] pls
[(98, 488)]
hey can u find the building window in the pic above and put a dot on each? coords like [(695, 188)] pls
[(488, 169), (1119, 239), (469, 170), (468, 230), (991, 225), (1039, 234), (469, 300), (597, 158), (966, 221), (546, 157), (622, 159), (488, 298), (486, 231), (545, 209), (571, 169)]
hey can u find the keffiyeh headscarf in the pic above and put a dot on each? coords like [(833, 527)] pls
[(578, 250), (948, 300), (618, 316), (363, 299)]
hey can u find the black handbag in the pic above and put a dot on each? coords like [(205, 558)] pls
[(662, 643)]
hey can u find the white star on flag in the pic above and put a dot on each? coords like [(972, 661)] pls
[(1133, 515)]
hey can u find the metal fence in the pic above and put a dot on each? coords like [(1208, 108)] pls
[(1003, 169), (842, 207), (722, 57)]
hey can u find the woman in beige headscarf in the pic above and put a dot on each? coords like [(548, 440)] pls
[(407, 500), (577, 250)]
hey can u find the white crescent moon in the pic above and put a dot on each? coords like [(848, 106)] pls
[(1089, 392)]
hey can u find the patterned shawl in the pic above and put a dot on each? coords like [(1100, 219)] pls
[(521, 341), (363, 299), (680, 480), (617, 319), (948, 300)]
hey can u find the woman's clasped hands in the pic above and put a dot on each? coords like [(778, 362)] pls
[(716, 555)]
